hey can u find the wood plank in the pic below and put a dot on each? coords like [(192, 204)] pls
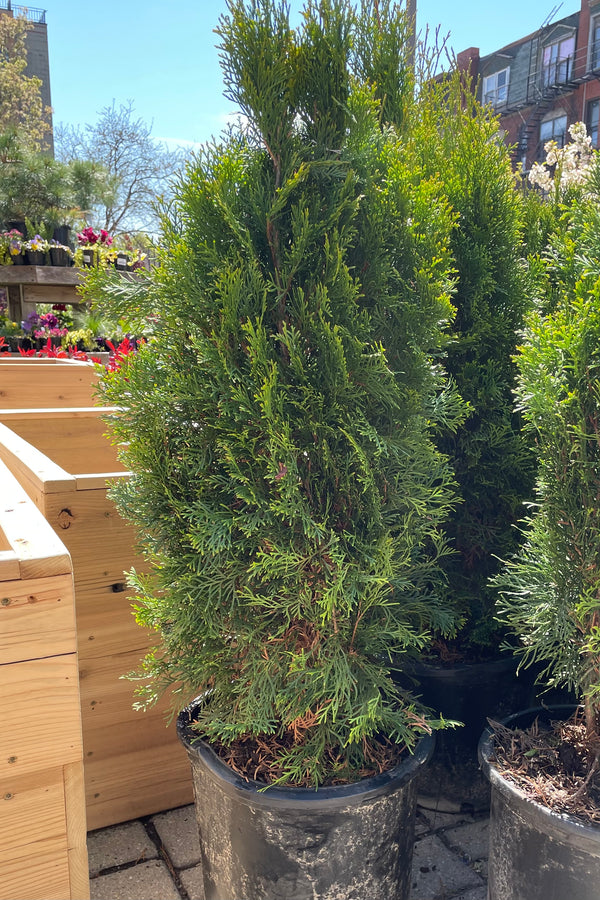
[(93, 523), (37, 618), (40, 715), (56, 275), (40, 874), (79, 876), (36, 546), (50, 293), (137, 784), (9, 565), (32, 811), (101, 481), (32, 387), (30, 466), (76, 831), (58, 412), (75, 444), (106, 628)]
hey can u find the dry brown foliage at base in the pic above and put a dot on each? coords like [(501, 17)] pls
[(256, 759), (557, 766)]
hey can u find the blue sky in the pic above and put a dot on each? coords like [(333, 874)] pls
[(162, 55)]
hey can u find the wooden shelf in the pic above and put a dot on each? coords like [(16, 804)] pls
[(29, 285), (46, 275)]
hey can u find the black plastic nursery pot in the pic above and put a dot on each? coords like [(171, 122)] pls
[(467, 693), (535, 853), (346, 842)]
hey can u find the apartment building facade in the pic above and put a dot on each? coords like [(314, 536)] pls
[(543, 83)]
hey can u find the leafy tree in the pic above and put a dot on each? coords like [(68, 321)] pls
[(21, 108), (285, 485), (137, 168)]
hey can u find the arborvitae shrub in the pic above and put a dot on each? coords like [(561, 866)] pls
[(285, 487), (551, 589), (492, 459)]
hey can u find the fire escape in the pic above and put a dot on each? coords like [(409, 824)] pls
[(546, 83)]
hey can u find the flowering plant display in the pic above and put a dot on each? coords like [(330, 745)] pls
[(89, 238), (10, 246), (56, 245), (99, 242), (37, 244)]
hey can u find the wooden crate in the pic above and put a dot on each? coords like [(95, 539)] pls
[(134, 764), (34, 383), (43, 853)]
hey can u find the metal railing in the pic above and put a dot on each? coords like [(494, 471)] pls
[(594, 55), (498, 97), (558, 72), (33, 15)]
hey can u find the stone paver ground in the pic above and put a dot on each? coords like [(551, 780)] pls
[(158, 858)]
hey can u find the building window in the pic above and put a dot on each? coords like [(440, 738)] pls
[(495, 88), (591, 120), (595, 43), (558, 62), (554, 130)]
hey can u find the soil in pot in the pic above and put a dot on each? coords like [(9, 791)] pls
[(282, 843), (545, 814)]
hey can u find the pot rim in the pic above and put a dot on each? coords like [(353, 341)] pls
[(500, 664), (564, 825), (283, 796)]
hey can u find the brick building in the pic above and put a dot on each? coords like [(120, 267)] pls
[(544, 82)]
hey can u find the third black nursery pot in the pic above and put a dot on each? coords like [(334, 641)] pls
[(344, 842), (535, 853), (466, 692)]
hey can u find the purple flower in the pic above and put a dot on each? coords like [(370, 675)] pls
[(32, 321)]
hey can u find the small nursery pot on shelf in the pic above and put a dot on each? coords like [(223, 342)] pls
[(35, 258), (122, 262), (59, 256), (352, 840), (535, 853), (88, 257)]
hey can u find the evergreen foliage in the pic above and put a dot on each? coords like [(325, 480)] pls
[(285, 486), (493, 464), (551, 590)]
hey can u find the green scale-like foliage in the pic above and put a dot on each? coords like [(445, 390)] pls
[(285, 485), (552, 588), (492, 460)]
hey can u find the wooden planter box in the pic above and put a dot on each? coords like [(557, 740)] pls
[(134, 764), (33, 383), (43, 853)]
